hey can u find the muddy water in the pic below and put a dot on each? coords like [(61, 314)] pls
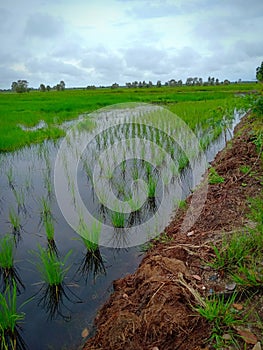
[(26, 177)]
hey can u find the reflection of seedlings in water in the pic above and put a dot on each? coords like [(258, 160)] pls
[(8, 272), (15, 223), (9, 321), (20, 200), (152, 204), (87, 170), (50, 233), (47, 184), (135, 217), (10, 178), (53, 272), (135, 171), (92, 263)]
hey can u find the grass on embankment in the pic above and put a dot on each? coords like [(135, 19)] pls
[(55, 107), (238, 257)]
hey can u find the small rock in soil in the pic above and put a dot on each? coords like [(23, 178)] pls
[(226, 336), (213, 278), (191, 233), (231, 286)]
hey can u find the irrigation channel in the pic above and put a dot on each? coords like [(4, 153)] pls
[(149, 177)]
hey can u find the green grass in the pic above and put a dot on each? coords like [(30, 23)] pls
[(9, 319), (214, 178), (56, 107), (222, 318), (52, 269)]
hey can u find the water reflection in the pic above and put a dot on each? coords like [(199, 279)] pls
[(51, 298), (92, 264)]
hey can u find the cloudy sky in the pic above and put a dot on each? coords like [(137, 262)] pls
[(86, 42)]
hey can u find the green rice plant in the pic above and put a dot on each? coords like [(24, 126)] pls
[(49, 227), (6, 252), (152, 185), (9, 320), (117, 218), (45, 208), (221, 316), (8, 272), (52, 269), (14, 220), (90, 235), (214, 177)]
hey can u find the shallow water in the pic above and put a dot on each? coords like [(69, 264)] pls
[(26, 177)]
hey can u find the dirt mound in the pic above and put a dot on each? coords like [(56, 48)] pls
[(152, 308)]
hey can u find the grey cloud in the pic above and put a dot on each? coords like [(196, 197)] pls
[(145, 58), (102, 61), (52, 66), (43, 26)]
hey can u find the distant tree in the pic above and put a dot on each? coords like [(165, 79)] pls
[(114, 86), (195, 81), (140, 85), (159, 83), (62, 85), (189, 81), (48, 88), (180, 83), (200, 81), (217, 81), (42, 88), (20, 86), (172, 82), (226, 82), (135, 84), (129, 85), (14, 86), (150, 84), (259, 73), (91, 87)]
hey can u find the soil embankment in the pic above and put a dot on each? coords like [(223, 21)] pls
[(152, 308)]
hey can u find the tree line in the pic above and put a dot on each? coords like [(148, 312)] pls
[(22, 85)]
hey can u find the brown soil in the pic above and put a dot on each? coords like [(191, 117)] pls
[(152, 308)]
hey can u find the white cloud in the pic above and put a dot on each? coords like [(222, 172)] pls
[(103, 41)]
